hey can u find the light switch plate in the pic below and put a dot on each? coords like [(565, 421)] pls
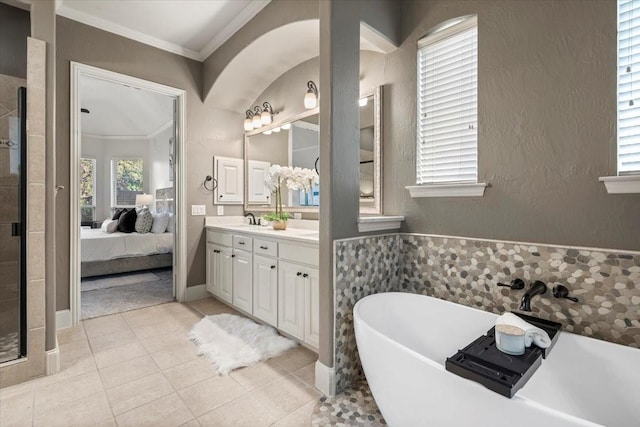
[(220, 210), (198, 210)]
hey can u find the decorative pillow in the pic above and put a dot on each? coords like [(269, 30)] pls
[(171, 227), (127, 221), (160, 222), (144, 221), (118, 213), (109, 226)]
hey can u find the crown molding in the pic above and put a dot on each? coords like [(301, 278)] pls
[(239, 21), (103, 24), (218, 40), (150, 135)]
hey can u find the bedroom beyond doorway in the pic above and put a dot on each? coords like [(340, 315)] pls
[(126, 197)]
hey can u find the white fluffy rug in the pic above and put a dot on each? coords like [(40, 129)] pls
[(232, 341)]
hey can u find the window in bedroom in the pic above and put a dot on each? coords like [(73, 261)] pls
[(126, 177), (447, 111), (87, 189)]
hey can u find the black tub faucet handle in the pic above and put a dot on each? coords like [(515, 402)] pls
[(516, 284)]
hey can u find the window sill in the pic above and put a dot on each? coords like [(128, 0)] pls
[(621, 184), (447, 190)]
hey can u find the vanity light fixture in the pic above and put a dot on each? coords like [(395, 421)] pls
[(257, 121), (311, 97), (267, 114), (286, 126), (248, 122), (363, 102)]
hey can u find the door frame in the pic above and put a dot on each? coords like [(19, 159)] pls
[(79, 70)]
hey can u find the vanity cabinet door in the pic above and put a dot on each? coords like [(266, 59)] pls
[(291, 299), (242, 280), (219, 271), (312, 307), (223, 277), (265, 289)]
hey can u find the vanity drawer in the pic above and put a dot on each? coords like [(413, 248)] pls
[(265, 247), (223, 239), (242, 242), (304, 254)]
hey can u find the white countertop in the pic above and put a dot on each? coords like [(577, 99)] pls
[(297, 230)]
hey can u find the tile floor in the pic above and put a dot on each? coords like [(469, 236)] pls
[(139, 369)]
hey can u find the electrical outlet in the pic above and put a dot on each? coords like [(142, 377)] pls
[(198, 210), (220, 210)]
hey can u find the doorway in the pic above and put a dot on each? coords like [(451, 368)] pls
[(127, 193)]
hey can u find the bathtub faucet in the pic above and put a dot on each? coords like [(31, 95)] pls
[(536, 288)]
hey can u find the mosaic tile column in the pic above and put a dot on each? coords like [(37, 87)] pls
[(364, 266)]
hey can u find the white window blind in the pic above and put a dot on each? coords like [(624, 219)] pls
[(628, 87), (447, 146)]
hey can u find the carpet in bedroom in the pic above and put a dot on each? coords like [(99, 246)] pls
[(118, 293)]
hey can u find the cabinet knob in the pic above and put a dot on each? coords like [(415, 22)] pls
[(233, 255), (220, 196), (273, 267), (298, 274), (305, 275)]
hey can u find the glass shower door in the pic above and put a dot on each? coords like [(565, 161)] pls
[(13, 341)]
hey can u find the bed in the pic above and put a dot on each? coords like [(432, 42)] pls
[(103, 253)]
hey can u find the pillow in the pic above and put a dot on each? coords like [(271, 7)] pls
[(144, 221), (118, 213), (171, 227), (160, 222), (127, 221), (109, 226)]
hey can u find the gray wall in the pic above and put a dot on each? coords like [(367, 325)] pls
[(547, 116), (87, 45), (15, 27)]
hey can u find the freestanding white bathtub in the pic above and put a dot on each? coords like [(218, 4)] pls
[(404, 339)]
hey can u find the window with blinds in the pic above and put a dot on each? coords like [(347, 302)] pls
[(447, 136), (628, 87)]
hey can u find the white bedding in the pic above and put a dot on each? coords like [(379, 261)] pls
[(97, 245)]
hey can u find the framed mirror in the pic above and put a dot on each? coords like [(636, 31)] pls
[(295, 142)]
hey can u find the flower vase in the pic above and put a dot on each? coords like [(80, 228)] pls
[(279, 225)]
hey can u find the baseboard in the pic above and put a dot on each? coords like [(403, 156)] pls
[(52, 361), (63, 319), (196, 292), (325, 379)]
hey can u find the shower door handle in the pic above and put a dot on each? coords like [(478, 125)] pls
[(15, 229)]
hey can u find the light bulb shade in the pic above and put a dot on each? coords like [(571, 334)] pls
[(276, 130), (310, 100), (286, 126), (311, 97), (144, 199), (248, 124), (265, 117), (267, 132), (363, 102), (256, 122)]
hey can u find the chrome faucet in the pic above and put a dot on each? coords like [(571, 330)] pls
[(536, 288), (252, 218)]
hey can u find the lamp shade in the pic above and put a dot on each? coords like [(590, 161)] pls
[(310, 100), (144, 199), (248, 124), (257, 123), (266, 117)]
